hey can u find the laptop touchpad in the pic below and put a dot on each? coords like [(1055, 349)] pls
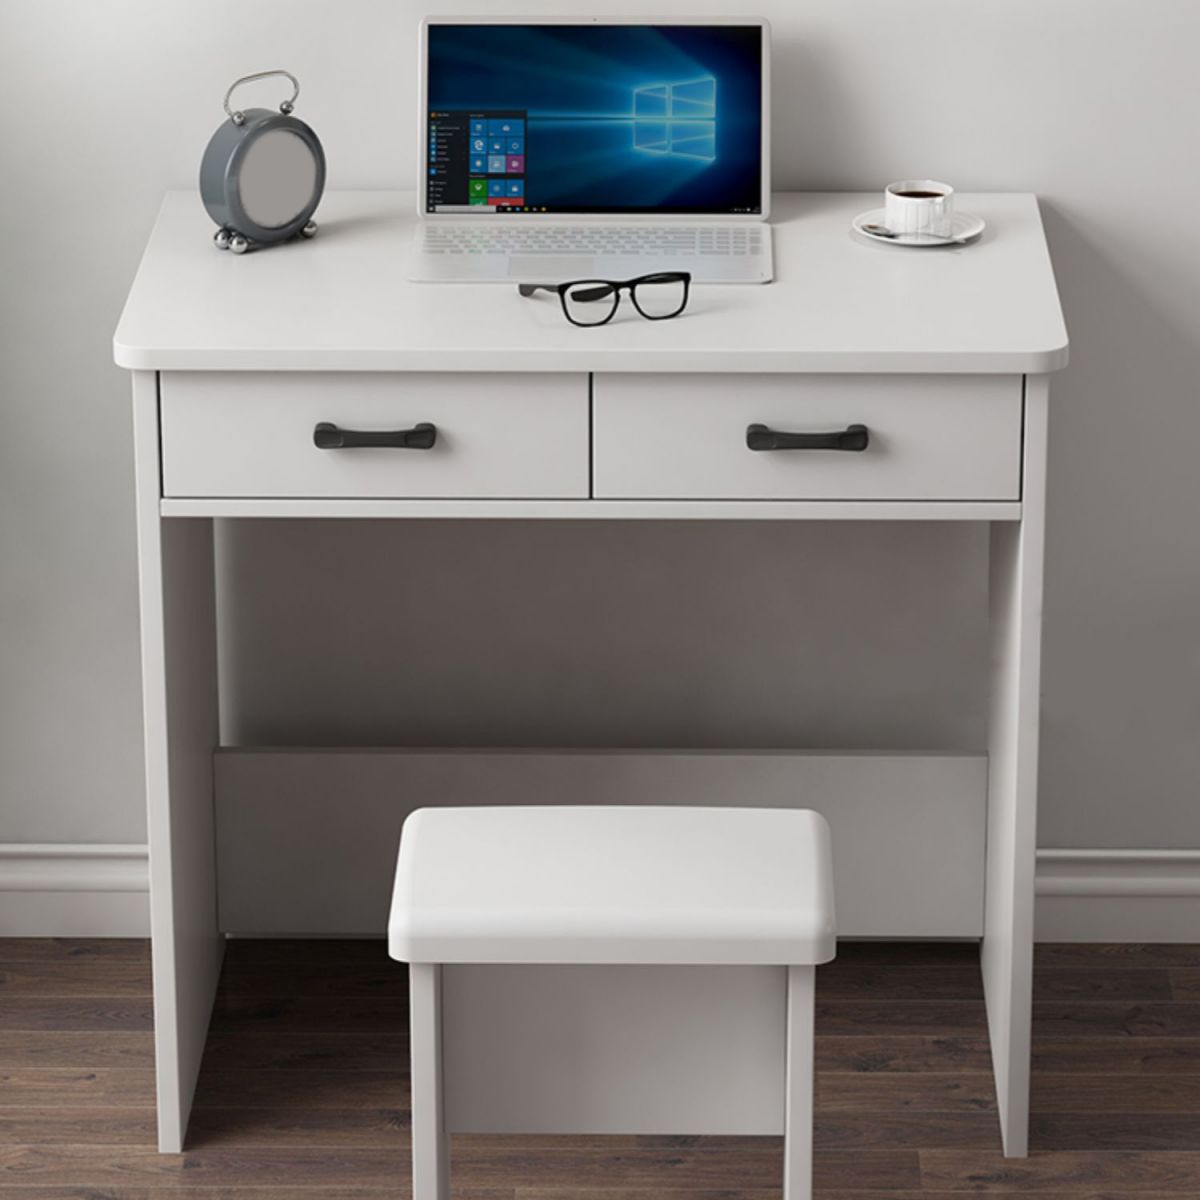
[(551, 268)]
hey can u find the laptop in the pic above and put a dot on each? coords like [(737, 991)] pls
[(591, 148)]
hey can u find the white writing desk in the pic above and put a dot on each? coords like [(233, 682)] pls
[(943, 355)]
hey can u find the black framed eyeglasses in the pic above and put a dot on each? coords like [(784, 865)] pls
[(657, 297)]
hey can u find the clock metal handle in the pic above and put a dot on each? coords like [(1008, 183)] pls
[(238, 117), (327, 436), (762, 437)]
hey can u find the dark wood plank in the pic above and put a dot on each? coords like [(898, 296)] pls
[(78, 950), (1185, 984), (890, 1130), (850, 981), (99, 1014), (870, 1170), (1060, 1019), (284, 1168), (1115, 1131), (603, 1193), (620, 1142), (871, 1018), (21, 1192), (1118, 1056), (75, 1087), (269, 1050), (335, 1128), (395, 1191), (103, 977), (1102, 955), (302, 1089), (1116, 1094), (903, 1053), (310, 1014), (1105, 1194), (889, 1093), (1112, 983), (69, 1049), (106, 1125), (1079, 1174)]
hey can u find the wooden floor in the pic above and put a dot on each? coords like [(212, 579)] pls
[(304, 1090)]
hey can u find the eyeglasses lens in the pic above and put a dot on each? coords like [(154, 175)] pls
[(658, 298), (590, 302)]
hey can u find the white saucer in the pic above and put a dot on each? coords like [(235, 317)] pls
[(963, 227)]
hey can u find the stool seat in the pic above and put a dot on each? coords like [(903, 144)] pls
[(613, 885)]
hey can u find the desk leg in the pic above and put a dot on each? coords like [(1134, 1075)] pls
[(179, 697), (798, 1086), (1016, 629), (430, 1145)]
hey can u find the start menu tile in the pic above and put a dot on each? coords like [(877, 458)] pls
[(476, 160)]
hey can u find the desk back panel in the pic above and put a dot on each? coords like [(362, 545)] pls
[(306, 839)]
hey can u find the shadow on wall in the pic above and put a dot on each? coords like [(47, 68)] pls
[(1122, 657)]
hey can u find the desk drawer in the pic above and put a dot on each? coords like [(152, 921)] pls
[(499, 436), (929, 437)]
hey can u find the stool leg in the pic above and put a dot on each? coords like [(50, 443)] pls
[(430, 1146), (798, 1089)]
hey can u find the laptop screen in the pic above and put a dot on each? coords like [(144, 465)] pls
[(604, 119)]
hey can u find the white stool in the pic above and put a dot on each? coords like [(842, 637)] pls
[(612, 970)]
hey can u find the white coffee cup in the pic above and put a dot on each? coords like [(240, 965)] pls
[(916, 206)]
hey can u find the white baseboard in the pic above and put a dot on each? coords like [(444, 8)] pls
[(71, 890), (1118, 896), (74, 890)]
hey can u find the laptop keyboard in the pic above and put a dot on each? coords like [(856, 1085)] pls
[(612, 240)]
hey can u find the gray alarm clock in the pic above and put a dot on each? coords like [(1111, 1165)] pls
[(262, 174)]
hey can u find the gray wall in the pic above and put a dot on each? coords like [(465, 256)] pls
[(867, 635)]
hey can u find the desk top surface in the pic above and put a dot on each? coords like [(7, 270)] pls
[(623, 884), (839, 303)]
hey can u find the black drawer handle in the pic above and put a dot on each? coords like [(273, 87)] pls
[(327, 436), (762, 437)]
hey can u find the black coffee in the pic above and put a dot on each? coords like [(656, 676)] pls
[(920, 195)]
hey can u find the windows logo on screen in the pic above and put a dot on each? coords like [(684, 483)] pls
[(678, 119)]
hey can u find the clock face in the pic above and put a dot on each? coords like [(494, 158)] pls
[(277, 178), (261, 179)]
